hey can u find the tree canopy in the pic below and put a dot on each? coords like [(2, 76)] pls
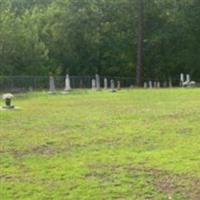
[(84, 37)]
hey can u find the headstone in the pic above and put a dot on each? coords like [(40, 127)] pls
[(188, 78), (98, 87), (158, 84), (8, 101), (155, 84), (52, 88), (182, 79), (93, 84), (145, 85), (118, 85), (165, 84), (150, 84), (131, 86), (170, 83), (186, 84), (30, 89), (105, 83), (67, 83), (192, 83), (112, 86)]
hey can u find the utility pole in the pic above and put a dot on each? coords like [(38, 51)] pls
[(140, 48)]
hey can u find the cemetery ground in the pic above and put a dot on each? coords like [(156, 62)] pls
[(133, 144)]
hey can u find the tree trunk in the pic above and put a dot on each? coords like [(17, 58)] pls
[(140, 48)]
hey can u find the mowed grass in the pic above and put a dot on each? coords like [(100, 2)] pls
[(133, 144)]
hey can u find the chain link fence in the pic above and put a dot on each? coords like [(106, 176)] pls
[(26, 83)]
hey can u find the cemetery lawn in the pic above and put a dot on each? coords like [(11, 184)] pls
[(129, 145)]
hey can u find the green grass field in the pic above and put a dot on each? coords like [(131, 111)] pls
[(129, 145)]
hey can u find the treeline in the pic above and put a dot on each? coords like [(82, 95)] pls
[(84, 37)]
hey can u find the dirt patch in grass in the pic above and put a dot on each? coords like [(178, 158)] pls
[(39, 149), (44, 149), (171, 185), (106, 141)]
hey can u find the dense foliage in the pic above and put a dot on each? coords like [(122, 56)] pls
[(89, 36)]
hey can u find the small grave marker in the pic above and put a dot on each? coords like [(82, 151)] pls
[(98, 87), (118, 85), (145, 85), (52, 88), (150, 84), (112, 86), (93, 84), (105, 83)]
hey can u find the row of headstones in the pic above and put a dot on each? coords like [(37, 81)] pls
[(95, 84), (52, 87), (157, 84), (186, 82)]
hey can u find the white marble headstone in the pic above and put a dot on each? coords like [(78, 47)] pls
[(188, 78), (150, 84), (93, 84), (67, 83), (182, 78), (105, 83), (155, 84)]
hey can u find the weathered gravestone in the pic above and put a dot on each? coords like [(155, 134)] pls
[(67, 85), (52, 88), (165, 84), (93, 84), (145, 85), (30, 89), (188, 78), (182, 79), (118, 85), (150, 84), (187, 82), (112, 86), (155, 84), (98, 87), (105, 83), (8, 101), (158, 84)]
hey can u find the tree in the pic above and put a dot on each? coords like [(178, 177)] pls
[(140, 48), (86, 36)]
